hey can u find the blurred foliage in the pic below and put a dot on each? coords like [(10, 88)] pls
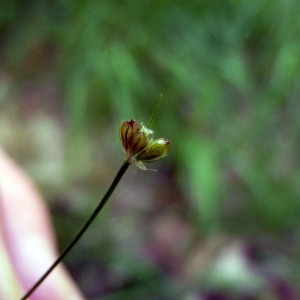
[(229, 72)]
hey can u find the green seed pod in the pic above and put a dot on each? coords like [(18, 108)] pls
[(154, 150)]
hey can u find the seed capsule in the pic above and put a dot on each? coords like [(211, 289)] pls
[(154, 150)]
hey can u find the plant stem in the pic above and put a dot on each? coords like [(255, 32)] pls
[(114, 184)]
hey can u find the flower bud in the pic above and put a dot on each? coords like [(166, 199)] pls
[(134, 137)]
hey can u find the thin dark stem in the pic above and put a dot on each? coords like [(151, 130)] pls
[(114, 184)]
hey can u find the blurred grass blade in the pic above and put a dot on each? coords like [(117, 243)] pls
[(155, 111)]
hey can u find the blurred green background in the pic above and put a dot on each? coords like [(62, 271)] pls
[(220, 217)]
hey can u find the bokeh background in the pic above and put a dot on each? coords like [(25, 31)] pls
[(220, 219)]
